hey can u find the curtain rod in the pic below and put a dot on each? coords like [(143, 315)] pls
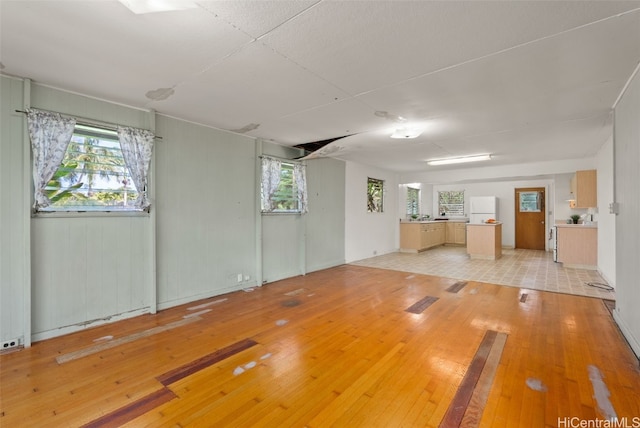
[(87, 121), (279, 158)]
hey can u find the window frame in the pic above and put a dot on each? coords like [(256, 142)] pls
[(413, 203), (285, 165), (288, 166), (372, 185), (459, 212), (98, 131)]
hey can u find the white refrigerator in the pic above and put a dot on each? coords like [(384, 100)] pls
[(482, 208)]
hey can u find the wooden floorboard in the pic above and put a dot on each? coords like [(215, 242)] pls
[(333, 348)]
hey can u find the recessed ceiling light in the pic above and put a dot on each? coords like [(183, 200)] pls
[(459, 160), (150, 6)]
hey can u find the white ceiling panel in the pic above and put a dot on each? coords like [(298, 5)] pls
[(523, 80), (105, 50), (363, 45), (253, 85), (256, 18)]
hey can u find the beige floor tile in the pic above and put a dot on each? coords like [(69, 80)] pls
[(516, 268)]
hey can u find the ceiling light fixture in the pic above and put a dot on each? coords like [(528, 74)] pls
[(149, 6), (406, 133), (459, 160)]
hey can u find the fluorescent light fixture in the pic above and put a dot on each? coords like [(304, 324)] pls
[(149, 6), (459, 160), (406, 133)]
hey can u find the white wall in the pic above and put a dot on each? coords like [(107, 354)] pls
[(505, 191), (369, 234), (627, 176), (562, 193), (606, 220)]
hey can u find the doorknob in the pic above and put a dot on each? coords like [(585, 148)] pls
[(542, 222)]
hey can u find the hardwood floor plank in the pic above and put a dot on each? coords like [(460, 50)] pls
[(65, 358), (205, 361), (421, 305), (130, 412), (461, 400)]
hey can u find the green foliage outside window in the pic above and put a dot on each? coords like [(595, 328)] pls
[(286, 197), (413, 201), (451, 203), (375, 195), (92, 175)]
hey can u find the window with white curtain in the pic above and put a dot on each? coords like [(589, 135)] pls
[(93, 169), (284, 187)]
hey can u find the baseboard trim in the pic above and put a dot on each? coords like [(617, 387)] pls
[(61, 331), (627, 333), (202, 296)]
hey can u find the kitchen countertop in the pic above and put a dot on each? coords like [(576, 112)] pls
[(485, 224), (461, 220), (581, 226)]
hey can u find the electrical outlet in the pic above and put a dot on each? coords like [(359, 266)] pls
[(239, 277), (247, 277), (11, 343)]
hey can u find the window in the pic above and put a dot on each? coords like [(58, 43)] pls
[(413, 201), (284, 188), (451, 203), (93, 175), (285, 198), (375, 195), (530, 202)]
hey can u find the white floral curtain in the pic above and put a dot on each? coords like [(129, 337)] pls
[(137, 148), (300, 176), (50, 134), (270, 181)]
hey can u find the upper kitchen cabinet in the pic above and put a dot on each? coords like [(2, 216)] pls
[(584, 188)]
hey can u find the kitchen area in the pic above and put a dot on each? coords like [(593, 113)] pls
[(481, 233), (575, 240), (484, 225)]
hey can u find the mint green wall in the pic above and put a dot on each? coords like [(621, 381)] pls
[(205, 211), (64, 273), (89, 269), (14, 222)]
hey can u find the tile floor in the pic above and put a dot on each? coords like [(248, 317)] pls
[(529, 269)]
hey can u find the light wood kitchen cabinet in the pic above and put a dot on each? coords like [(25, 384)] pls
[(577, 246), (420, 236), (456, 233), (484, 241), (584, 187)]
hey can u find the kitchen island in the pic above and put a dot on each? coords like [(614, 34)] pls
[(484, 240), (577, 245)]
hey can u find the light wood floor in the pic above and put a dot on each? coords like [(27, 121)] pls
[(335, 348)]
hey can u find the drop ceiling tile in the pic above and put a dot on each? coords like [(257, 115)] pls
[(256, 17), (254, 85), (389, 41), (108, 51)]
